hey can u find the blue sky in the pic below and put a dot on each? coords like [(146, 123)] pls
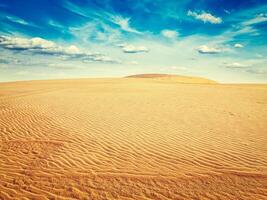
[(219, 39)]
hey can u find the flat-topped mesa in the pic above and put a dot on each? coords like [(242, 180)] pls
[(174, 78)]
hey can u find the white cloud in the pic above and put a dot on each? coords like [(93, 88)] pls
[(127, 48), (124, 24), (169, 34), (205, 17), (72, 49), (42, 46), (237, 45), (204, 49), (236, 65)]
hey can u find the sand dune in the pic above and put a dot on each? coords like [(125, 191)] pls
[(132, 138), (173, 78)]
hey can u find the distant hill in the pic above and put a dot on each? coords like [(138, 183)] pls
[(174, 78)]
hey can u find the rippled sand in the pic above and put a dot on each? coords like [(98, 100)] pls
[(132, 138)]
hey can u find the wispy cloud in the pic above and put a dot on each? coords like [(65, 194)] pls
[(17, 20), (101, 17), (97, 31), (55, 24), (258, 19), (124, 24), (248, 27), (236, 65), (205, 17)]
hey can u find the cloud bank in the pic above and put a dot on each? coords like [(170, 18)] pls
[(41, 46)]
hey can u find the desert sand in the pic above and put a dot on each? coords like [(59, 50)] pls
[(133, 138)]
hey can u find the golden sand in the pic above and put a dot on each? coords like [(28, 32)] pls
[(132, 138)]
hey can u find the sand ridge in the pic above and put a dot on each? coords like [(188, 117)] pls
[(170, 78), (132, 138)]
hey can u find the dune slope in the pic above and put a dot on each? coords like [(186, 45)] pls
[(132, 139)]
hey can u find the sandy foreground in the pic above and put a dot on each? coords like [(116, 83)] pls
[(132, 138)]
